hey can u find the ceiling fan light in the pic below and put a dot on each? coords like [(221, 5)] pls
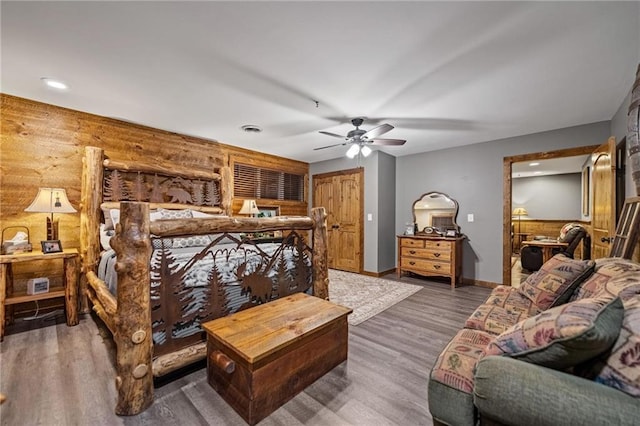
[(353, 151), (365, 150)]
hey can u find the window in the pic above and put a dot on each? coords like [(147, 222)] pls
[(260, 183)]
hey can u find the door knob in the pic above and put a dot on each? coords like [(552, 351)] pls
[(606, 239)]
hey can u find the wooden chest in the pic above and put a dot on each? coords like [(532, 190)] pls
[(431, 256), (260, 358)]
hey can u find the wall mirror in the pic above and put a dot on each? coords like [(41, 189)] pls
[(435, 213)]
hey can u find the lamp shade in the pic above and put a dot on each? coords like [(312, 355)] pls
[(353, 151), (51, 200), (520, 211), (249, 207)]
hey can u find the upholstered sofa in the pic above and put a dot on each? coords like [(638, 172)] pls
[(563, 348)]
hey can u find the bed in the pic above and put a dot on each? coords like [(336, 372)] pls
[(176, 259)]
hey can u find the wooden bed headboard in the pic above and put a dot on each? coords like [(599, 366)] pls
[(106, 182)]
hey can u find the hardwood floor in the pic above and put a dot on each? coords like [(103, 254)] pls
[(58, 375)]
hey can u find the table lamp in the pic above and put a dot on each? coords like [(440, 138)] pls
[(51, 200), (249, 207)]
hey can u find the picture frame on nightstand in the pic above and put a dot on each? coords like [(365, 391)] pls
[(51, 246)]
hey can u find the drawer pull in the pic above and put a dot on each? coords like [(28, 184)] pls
[(412, 263), (436, 254), (436, 266), (412, 251)]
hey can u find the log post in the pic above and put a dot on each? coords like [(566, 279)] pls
[(132, 244), (71, 289), (92, 174), (320, 268), (226, 189)]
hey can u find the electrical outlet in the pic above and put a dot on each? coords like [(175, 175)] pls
[(470, 217), (370, 217)]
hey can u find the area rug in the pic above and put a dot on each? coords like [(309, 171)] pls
[(367, 296)]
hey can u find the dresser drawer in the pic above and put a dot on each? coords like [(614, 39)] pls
[(438, 245), (430, 254), (410, 242), (435, 267)]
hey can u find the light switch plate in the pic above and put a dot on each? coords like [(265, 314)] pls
[(470, 217), (370, 217)]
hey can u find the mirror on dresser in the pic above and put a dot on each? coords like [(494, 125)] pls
[(436, 213)]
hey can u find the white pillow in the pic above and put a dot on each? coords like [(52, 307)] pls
[(114, 214), (105, 236), (197, 213)]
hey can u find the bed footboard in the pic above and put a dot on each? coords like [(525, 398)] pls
[(135, 312)]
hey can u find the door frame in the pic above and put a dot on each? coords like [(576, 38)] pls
[(355, 170), (507, 170)]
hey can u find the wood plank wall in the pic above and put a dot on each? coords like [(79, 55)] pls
[(42, 146)]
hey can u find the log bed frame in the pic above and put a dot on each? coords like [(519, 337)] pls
[(128, 315)]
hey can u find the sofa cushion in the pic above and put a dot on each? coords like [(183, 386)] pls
[(563, 336), (606, 269), (456, 363), (504, 307), (556, 280)]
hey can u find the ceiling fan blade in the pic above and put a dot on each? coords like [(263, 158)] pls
[(377, 131), (333, 134), (330, 146), (388, 142)]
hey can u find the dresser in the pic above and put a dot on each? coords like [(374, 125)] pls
[(431, 256)]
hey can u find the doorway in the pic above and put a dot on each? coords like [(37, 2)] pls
[(507, 202), (342, 195)]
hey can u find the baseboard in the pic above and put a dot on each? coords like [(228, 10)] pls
[(379, 274), (465, 281), (479, 283)]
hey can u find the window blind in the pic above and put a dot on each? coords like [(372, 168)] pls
[(260, 183)]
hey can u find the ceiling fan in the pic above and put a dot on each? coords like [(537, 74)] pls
[(360, 139)]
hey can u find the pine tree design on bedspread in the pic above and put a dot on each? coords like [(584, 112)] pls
[(228, 275)]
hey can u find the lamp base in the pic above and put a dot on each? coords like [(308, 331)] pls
[(52, 228)]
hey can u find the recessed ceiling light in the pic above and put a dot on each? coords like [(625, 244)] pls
[(251, 128), (56, 84), (534, 164)]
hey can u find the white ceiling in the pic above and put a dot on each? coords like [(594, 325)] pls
[(444, 74), (552, 166)]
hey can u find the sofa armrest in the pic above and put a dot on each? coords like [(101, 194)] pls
[(515, 392)]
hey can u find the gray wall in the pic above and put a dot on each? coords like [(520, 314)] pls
[(386, 213), (549, 197), (379, 201), (473, 175)]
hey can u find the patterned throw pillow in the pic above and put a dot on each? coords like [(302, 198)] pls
[(504, 307), (606, 269), (553, 284), (563, 336), (457, 362), (621, 369), (175, 214), (193, 241)]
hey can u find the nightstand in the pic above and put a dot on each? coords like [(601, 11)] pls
[(69, 290)]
